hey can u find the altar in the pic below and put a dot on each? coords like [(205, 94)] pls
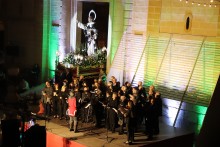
[(76, 71), (88, 58)]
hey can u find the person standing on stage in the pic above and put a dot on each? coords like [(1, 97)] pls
[(62, 100), (112, 111), (85, 104), (74, 83), (158, 112), (97, 100), (47, 94), (150, 118), (56, 92), (130, 117), (115, 84), (121, 119), (72, 112)]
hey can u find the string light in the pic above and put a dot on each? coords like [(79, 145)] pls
[(211, 3)]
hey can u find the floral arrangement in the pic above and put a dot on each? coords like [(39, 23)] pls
[(76, 59)]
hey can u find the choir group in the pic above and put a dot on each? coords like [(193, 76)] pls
[(107, 103)]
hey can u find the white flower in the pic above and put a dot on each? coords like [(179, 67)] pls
[(104, 49)]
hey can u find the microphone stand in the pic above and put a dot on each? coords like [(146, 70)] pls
[(108, 139), (41, 118), (90, 107)]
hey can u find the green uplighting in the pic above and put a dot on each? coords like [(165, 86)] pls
[(53, 47), (201, 110), (45, 40), (50, 41)]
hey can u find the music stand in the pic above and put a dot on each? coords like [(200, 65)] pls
[(89, 113), (108, 139)]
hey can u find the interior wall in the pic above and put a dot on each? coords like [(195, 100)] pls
[(169, 16), (203, 19)]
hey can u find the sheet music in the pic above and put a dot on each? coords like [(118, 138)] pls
[(87, 105), (115, 110), (33, 113)]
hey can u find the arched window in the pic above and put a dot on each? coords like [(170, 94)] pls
[(188, 21)]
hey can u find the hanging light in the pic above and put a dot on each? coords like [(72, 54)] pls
[(205, 4)]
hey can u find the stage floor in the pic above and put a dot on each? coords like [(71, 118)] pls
[(90, 136)]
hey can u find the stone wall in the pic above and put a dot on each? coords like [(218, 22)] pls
[(170, 16)]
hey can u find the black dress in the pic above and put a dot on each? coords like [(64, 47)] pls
[(130, 124), (112, 115)]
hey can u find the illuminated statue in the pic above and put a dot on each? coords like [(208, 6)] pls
[(90, 32)]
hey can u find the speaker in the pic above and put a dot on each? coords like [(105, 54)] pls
[(35, 136), (10, 133)]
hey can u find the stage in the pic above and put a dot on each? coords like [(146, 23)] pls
[(58, 135)]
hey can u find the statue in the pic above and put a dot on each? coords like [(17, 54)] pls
[(90, 32)]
